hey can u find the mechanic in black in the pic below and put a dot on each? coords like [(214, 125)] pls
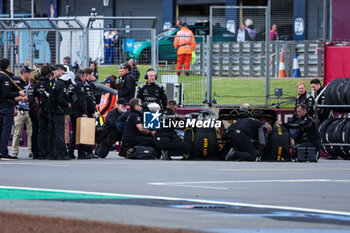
[(152, 92), (91, 92), (134, 134), (111, 133), (166, 139), (33, 113), (126, 84), (240, 135), (41, 94), (78, 109), (322, 113), (134, 70), (59, 104), (8, 91), (304, 98), (307, 133)]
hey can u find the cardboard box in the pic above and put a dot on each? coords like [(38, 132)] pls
[(85, 133)]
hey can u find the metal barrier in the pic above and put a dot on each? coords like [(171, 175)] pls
[(82, 39), (235, 59), (190, 90)]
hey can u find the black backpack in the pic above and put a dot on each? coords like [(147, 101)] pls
[(277, 148), (143, 152)]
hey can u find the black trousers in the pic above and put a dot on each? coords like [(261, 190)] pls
[(110, 137), (43, 135), (57, 145), (35, 129), (243, 145), (81, 147), (6, 122), (174, 146)]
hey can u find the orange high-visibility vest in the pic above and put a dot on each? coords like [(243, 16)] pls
[(108, 103), (184, 41)]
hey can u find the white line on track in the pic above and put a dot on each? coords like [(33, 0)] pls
[(290, 208), (196, 184)]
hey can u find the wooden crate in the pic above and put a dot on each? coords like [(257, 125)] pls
[(85, 133)]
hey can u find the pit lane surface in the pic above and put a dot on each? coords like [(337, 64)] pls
[(211, 196)]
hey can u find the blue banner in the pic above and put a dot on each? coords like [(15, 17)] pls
[(299, 32), (232, 23), (168, 9), (129, 45)]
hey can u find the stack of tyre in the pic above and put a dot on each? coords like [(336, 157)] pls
[(337, 130)]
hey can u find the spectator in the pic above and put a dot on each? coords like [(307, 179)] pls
[(250, 29), (108, 101), (111, 133), (178, 23), (93, 65), (152, 92), (184, 44), (8, 91), (167, 139), (274, 33), (23, 117), (126, 84), (33, 114), (67, 63), (243, 34), (134, 134), (109, 47), (323, 113), (240, 135), (134, 71), (117, 44)]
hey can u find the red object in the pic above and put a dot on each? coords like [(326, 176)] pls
[(336, 62), (183, 58)]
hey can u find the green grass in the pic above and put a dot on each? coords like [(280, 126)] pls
[(228, 91)]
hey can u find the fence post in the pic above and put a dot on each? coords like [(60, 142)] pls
[(267, 42), (209, 67), (57, 47), (85, 53), (6, 44), (153, 49), (30, 48)]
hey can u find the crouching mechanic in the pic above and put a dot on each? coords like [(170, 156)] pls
[(134, 134), (240, 135), (307, 134), (166, 139), (111, 133)]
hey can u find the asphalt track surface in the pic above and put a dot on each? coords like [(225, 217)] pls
[(208, 196)]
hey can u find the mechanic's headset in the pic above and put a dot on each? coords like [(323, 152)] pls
[(134, 62), (146, 75)]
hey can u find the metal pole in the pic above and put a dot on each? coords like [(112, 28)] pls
[(324, 21), (153, 49), (31, 48), (12, 39), (71, 46), (209, 67), (267, 53), (330, 20), (86, 48), (6, 44), (57, 47), (32, 6)]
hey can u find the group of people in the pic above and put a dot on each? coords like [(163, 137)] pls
[(113, 43), (247, 32), (302, 127)]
